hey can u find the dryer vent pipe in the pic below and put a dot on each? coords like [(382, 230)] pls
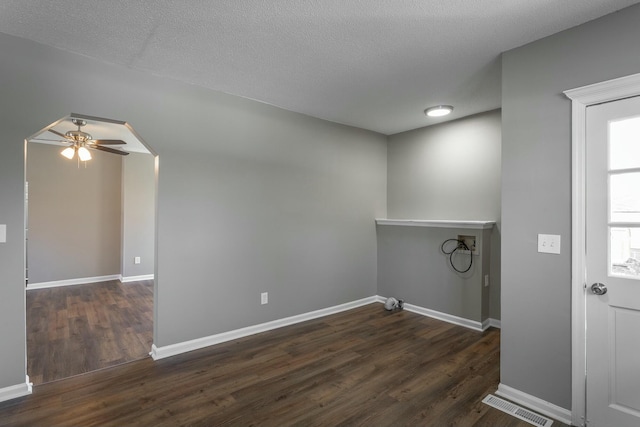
[(393, 304)]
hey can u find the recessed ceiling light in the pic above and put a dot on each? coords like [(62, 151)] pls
[(438, 110)]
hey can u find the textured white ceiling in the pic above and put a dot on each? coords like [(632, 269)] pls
[(374, 64)]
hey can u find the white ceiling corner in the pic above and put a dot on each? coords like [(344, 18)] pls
[(373, 64)]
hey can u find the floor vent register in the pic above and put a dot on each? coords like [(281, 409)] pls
[(517, 411)]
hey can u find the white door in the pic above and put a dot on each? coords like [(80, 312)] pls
[(613, 264)]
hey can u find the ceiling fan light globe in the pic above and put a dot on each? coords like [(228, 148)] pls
[(84, 154), (68, 152)]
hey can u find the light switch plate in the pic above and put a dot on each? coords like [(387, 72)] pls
[(549, 243), (3, 233)]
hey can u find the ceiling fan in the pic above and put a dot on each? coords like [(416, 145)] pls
[(82, 141)]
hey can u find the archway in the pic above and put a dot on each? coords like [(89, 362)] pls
[(90, 227)]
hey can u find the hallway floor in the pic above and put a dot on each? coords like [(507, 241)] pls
[(76, 329)]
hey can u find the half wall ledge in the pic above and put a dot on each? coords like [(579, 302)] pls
[(477, 225)]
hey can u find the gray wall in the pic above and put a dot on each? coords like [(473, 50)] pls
[(447, 171), (12, 254), (536, 192), (74, 215), (138, 214), (412, 267), (251, 198), (450, 171)]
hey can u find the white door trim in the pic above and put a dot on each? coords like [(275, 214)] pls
[(581, 98)]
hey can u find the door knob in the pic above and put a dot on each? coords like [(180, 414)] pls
[(599, 288)]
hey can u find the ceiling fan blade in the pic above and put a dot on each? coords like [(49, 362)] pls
[(107, 149), (108, 142), (58, 133), (62, 141)]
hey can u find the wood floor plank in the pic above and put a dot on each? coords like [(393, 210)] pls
[(362, 367), (76, 329)]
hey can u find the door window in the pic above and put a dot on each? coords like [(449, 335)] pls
[(624, 197)]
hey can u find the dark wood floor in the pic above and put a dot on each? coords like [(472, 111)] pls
[(366, 366), (76, 329)]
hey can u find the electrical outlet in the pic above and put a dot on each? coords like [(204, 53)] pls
[(264, 298), (486, 280), (136, 260)]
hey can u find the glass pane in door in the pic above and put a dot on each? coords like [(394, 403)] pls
[(624, 144), (624, 197), (624, 193), (625, 252)]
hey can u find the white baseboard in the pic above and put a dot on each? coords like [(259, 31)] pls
[(14, 391), (449, 318), (461, 321), (380, 299), (491, 323), (70, 282), (183, 347), (127, 279), (534, 403), (198, 343)]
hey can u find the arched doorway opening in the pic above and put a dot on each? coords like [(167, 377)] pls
[(90, 246)]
